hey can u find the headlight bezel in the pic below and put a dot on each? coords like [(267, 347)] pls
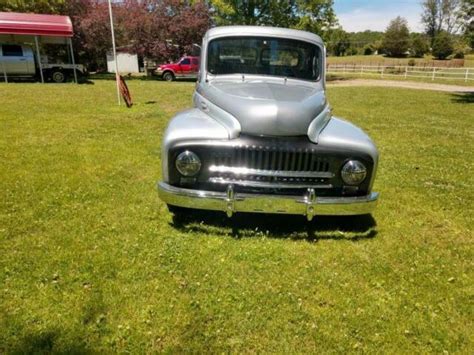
[(188, 163), (353, 172)]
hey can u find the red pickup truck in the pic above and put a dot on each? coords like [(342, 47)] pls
[(186, 67)]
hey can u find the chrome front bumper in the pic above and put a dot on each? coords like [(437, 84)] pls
[(308, 205)]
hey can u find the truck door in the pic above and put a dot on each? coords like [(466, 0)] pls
[(194, 66), (13, 59), (185, 67)]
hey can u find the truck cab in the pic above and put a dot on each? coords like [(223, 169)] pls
[(186, 67), (19, 61)]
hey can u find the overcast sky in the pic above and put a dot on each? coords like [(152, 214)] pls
[(360, 15)]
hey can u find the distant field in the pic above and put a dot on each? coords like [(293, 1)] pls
[(379, 60), (93, 262)]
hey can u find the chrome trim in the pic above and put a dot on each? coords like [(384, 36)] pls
[(230, 202), (267, 184), (271, 173)]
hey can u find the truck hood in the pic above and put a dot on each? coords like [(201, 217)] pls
[(281, 108)]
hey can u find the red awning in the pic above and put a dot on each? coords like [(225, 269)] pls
[(35, 24)]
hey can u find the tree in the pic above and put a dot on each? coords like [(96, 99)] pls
[(396, 38), (38, 6), (316, 16), (338, 42), (155, 29), (442, 45), (442, 15), (419, 45), (237, 12), (467, 21)]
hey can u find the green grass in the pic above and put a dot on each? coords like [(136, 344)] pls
[(380, 59), (92, 261), (346, 76)]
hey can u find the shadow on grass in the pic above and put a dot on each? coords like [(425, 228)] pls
[(242, 225), (463, 97), (48, 342), (335, 77)]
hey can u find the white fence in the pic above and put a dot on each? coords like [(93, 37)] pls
[(404, 71)]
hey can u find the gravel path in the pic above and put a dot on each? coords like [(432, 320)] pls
[(401, 84)]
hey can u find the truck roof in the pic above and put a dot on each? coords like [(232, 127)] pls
[(263, 31)]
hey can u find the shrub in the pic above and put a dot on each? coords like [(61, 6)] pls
[(411, 63), (368, 50), (419, 46), (442, 45)]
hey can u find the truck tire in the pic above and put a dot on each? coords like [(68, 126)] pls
[(58, 76), (168, 76)]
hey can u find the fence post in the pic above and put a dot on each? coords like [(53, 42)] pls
[(434, 72), (344, 69), (467, 75), (4, 73), (406, 71), (381, 73), (361, 69)]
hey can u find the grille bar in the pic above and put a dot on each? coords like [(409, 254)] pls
[(272, 159), (265, 184), (270, 173)]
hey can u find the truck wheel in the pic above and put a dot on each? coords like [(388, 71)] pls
[(58, 76), (168, 76)]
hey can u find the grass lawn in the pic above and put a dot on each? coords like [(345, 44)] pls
[(332, 76), (380, 59), (92, 261)]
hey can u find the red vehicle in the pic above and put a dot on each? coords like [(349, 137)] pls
[(186, 67)]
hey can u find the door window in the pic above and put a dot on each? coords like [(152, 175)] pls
[(10, 50), (185, 61)]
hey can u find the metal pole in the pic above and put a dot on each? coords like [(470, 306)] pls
[(115, 52), (73, 61), (38, 56)]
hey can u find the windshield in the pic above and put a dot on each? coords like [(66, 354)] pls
[(264, 56)]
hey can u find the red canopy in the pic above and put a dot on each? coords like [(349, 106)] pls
[(35, 24)]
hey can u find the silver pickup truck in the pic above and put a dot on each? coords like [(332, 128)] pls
[(18, 61), (261, 136)]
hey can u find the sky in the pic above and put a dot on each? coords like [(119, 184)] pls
[(360, 15)]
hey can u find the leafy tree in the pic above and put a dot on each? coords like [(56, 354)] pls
[(361, 40), (338, 42), (467, 21), (442, 15), (397, 38), (310, 15), (419, 45), (442, 45), (38, 6), (315, 16)]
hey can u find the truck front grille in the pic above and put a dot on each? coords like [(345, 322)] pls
[(271, 159), (266, 167)]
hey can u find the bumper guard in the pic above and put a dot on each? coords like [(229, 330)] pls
[(308, 205)]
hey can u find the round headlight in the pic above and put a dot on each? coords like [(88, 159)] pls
[(353, 172), (188, 163)]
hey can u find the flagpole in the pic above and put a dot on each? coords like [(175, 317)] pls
[(115, 52)]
